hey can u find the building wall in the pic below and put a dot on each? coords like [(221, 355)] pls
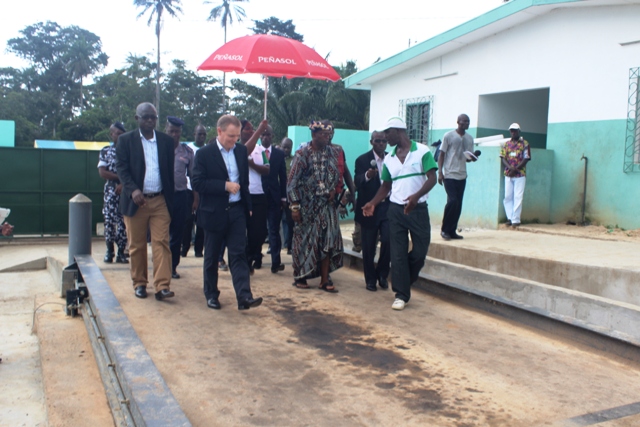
[(576, 52)]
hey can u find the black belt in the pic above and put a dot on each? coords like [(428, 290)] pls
[(152, 195), (233, 204)]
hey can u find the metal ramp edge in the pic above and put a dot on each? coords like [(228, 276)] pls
[(137, 392)]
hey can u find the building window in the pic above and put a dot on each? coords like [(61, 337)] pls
[(417, 113), (632, 142)]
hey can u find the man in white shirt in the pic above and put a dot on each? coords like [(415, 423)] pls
[(145, 166), (409, 173)]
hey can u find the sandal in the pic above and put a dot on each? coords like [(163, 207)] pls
[(328, 287), (300, 284)]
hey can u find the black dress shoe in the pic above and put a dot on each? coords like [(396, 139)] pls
[(141, 291), (249, 303), (278, 268), (175, 275), (371, 287), (382, 281), (164, 294), (445, 236), (456, 236), (214, 303), (288, 251), (121, 258), (257, 264), (198, 254), (183, 254)]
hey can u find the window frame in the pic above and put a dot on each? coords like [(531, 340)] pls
[(632, 141), (424, 101)]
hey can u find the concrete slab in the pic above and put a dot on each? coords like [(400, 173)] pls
[(48, 378), (21, 389)]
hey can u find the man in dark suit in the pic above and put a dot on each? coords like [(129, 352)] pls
[(367, 181), (145, 168), (221, 178), (275, 188)]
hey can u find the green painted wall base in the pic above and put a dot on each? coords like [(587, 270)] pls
[(612, 195), (482, 205), (7, 133)]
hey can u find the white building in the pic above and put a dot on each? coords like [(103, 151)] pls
[(566, 70)]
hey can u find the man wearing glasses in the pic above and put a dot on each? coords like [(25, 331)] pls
[(145, 162), (367, 181)]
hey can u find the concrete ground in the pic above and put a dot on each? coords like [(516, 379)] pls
[(306, 357)]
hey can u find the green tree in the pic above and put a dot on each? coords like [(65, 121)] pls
[(225, 11), (156, 8), (193, 97), (277, 27), (84, 56), (50, 82)]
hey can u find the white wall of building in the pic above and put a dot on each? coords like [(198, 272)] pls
[(573, 51)]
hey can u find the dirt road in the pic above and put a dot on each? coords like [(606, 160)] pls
[(306, 357)]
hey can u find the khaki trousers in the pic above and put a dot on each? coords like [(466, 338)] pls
[(154, 216)]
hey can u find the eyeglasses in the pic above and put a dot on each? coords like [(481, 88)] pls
[(149, 117), (380, 140)]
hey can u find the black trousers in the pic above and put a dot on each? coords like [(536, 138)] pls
[(188, 230), (274, 215), (369, 243), (287, 226), (257, 227), (236, 236), (453, 208), (407, 266), (176, 227)]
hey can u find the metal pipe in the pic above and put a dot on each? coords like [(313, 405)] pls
[(79, 226), (584, 190)]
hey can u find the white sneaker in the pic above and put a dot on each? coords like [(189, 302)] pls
[(398, 304)]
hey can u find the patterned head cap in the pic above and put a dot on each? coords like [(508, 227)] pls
[(318, 125)]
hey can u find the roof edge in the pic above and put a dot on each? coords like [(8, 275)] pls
[(488, 18)]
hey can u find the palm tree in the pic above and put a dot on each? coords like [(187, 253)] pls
[(225, 12), (156, 8), (84, 56)]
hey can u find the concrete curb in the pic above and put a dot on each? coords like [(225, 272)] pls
[(610, 283), (602, 316), (148, 398)]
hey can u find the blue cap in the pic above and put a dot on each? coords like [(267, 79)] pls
[(120, 126), (175, 121)]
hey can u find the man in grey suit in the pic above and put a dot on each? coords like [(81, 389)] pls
[(145, 168)]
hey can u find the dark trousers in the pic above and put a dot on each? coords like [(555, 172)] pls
[(369, 243), (274, 214), (257, 227), (236, 236), (176, 228), (287, 227), (453, 208), (407, 266), (188, 230)]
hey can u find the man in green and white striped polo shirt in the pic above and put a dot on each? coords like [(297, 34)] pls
[(409, 173)]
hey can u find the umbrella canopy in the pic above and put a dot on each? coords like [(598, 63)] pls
[(270, 55)]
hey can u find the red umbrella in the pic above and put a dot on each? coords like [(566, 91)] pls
[(270, 55)]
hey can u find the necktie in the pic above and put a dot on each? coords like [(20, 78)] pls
[(268, 154)]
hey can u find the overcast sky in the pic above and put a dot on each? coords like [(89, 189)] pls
[(356, 30)]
